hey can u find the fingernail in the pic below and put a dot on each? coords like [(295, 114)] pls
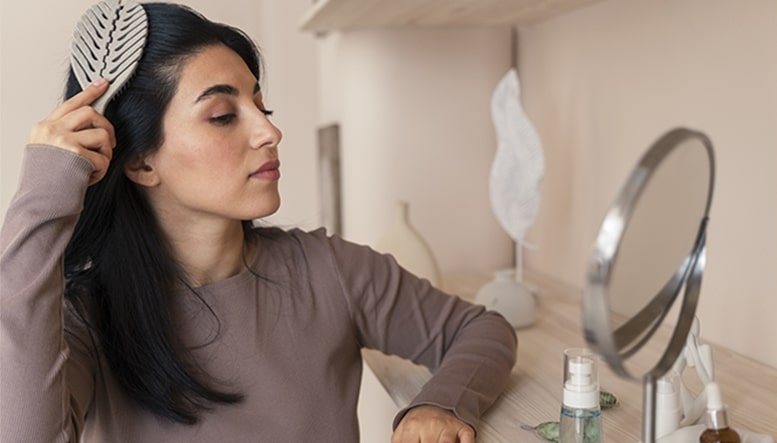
[(99, 82)]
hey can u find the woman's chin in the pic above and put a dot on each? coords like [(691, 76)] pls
[(267, 209)]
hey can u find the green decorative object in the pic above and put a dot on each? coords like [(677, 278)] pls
[(607, 400), (548, 430)]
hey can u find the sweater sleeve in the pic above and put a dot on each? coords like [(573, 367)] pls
[(46, 385), (471, 351)]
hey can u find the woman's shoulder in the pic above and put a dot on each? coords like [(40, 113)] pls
[(310, 243), (295, 236)]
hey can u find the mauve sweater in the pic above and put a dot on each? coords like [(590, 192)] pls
[(290, 342)]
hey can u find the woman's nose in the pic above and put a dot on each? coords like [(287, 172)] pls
[(263, 132)]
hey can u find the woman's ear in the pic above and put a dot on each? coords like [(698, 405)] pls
[(141, 171)]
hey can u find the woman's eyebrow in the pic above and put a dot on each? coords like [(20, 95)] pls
[(223, 89), (217, 89)]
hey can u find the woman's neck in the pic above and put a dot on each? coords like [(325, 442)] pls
[(209, 253)]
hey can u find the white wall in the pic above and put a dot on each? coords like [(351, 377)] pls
[(604, 81), (414, 110)]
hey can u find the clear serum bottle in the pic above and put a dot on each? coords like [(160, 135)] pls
[(717, 430), (581, 419)]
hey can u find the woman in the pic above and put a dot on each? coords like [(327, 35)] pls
[(171, 318)]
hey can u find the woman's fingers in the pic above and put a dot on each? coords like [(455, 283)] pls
[(83, 98), (97, 140), (77, 127), (65, 131), (100, 163)]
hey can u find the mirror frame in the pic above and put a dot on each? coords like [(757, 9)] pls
[(596, 315)]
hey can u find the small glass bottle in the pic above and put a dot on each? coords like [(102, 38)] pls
[(717, 430), (581, 420)]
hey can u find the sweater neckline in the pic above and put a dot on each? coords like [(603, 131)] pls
[(246, 274)]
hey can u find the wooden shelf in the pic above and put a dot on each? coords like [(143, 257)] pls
[(329, 15)]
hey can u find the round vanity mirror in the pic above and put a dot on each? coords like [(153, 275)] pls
[(645, 271)]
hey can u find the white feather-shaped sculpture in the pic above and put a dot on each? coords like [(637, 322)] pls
[(108, 43), (514, 186), (519, 164)]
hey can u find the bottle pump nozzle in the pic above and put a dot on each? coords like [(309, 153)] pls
[(581, 387)]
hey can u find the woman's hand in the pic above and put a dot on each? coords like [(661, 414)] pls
[(77, 127), (430, 424)]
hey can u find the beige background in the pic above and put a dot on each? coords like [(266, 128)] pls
[(604, 81), (600, 83)]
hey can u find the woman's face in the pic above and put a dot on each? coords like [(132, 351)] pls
[(219, 156)]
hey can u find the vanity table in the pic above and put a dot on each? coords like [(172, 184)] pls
[(534, 392)]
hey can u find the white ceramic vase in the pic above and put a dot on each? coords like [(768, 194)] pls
[(408, 247), (509, 297)]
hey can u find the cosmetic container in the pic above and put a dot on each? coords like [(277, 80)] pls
[(668, 410), (581, 420), (717, 430)]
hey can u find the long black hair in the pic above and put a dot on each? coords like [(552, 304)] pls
[(118, 266)]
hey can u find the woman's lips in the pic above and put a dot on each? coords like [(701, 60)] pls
[(268, 171)]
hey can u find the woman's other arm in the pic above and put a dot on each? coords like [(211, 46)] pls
[(45, 385)]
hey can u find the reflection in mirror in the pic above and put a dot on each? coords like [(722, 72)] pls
[(648, 257)]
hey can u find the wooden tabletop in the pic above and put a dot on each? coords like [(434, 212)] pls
[(534, 392)]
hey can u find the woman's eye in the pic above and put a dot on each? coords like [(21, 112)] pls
[(223, 119), (267, 112)]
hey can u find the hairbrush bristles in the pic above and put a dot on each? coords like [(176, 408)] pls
[(108, 43)]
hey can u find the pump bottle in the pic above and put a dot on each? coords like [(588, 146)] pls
[(717, 430), (581, 420)]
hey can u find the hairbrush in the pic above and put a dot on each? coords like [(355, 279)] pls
[(108, 43)]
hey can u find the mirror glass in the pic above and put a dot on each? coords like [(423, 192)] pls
[(648, 244)]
